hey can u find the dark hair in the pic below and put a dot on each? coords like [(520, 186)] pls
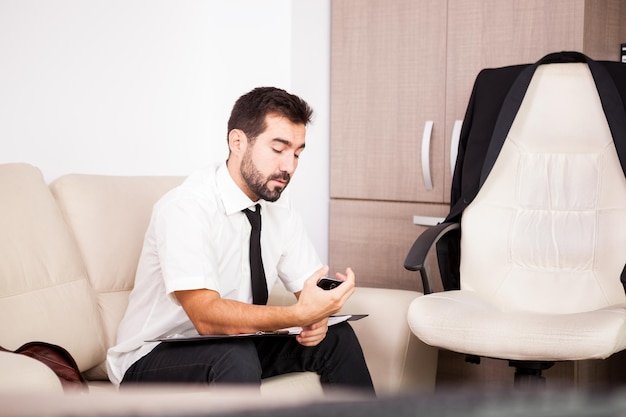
[(249, 111)]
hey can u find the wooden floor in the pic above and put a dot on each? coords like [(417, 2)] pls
[(454, 371)]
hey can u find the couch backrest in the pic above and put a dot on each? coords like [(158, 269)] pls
[(109, 216), (44, 290)]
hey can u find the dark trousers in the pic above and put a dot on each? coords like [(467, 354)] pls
[(338, 359)]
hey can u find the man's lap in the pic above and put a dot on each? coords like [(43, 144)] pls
[(247, 360)]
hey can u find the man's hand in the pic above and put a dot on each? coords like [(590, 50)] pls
[(313, 334), (317, 304)]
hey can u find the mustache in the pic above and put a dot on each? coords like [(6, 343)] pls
[(282, 176)]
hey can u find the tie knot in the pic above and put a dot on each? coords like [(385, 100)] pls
[(254, 217)]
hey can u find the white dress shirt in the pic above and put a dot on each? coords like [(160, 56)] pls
[(199, 238)]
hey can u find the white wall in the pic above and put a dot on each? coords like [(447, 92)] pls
[(145, 87), (310, 64)]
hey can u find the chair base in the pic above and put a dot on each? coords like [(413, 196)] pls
[(528, 374)]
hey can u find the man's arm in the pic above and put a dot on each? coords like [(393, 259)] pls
[(212, 314)]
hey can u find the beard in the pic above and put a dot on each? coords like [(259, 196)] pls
[(257, 183)]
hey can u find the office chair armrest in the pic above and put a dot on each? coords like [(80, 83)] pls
[(416, 258)]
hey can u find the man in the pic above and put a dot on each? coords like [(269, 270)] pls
[(194, 274)]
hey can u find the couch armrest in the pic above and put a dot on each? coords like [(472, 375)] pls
[(398, 361), (22, 373)]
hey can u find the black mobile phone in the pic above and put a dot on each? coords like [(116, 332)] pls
[(327, 283)]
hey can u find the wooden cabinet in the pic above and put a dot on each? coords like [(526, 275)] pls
[(401, 77), (373, 238), (387, 80), (495, 33)]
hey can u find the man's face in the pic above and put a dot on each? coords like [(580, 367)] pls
[(269, 162)]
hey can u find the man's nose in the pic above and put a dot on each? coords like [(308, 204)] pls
[(288, 163)]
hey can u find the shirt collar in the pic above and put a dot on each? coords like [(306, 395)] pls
[(233, 198)]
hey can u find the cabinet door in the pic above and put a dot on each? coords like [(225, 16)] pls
[(495, 33), (387, 82), (374, 237)]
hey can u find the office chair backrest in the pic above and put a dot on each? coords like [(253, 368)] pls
[(547, 231)]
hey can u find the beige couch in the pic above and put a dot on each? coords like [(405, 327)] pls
[(68, 253)]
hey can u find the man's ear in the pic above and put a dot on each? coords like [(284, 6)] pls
[(237, 141)]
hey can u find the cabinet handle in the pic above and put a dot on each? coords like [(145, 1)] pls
[(454, 143), (428, 130), (427, 220)]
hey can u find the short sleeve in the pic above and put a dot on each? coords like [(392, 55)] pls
[(186, 250)]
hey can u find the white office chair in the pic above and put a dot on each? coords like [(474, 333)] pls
[(543, 240)]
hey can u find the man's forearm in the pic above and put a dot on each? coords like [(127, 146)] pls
[(211, 314)]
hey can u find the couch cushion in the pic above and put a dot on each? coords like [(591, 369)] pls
[(109, 216), (44, 291)]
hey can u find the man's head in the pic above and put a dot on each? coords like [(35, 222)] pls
[(266, 133)]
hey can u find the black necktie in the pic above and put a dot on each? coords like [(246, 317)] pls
[(257, 274)]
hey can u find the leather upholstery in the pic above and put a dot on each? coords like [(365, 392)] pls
[(542, 244), (68, 253)]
